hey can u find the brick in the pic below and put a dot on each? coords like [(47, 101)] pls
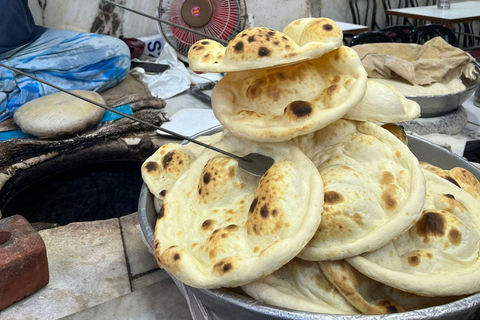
[(23, 260)]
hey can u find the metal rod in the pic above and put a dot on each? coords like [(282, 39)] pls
[(126, 115), (224, 42)]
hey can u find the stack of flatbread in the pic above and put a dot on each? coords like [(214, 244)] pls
[(347, 220)]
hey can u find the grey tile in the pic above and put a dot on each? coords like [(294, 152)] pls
[(161, 300), (148, 279), (87, 267), (139, 258)]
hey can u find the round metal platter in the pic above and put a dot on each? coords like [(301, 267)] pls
[(233, 305)]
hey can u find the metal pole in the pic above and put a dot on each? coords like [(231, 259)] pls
[(126, 115)]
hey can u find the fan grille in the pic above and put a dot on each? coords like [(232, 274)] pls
[(227, 19)]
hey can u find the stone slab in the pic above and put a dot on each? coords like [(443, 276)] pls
[(149, 279), (140, 260), (451, 123), (87, 267), (161, 300), (23, 260)]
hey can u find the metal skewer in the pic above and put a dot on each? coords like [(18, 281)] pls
[(253, 163), (169, 23)]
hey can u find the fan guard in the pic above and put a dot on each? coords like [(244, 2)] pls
[(222, 19)]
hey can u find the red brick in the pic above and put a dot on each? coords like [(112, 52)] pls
[(23, 260)]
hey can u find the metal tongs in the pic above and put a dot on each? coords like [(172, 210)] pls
[(253, 163)]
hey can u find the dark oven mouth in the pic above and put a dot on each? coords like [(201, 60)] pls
[(94, 191)]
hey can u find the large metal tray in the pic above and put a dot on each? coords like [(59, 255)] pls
[(437, 105), (233, 305)]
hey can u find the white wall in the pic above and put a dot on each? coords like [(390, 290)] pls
[(94, 16), (277, 14)]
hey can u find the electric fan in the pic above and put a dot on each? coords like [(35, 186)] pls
[(221, 19)]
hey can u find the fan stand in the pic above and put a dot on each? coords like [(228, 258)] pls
[(197, 13)]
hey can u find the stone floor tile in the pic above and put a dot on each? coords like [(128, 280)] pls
[(161, 300), (149, 279), (140, 260), (87, 267)]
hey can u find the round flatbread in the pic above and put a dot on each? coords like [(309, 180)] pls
[(272, 105), (460, 177), (59, 114), (169, 162), (373, 297), (259, 48), (440, 254), (222, 227), (373, 187), (300, 285), (383, 103)]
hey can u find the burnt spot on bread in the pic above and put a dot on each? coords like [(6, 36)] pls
[(387, 178), (450, 179), (231, 227), (448, 195), (151, 166), (299, 108), (389, 197), (253, 205), (332, 197), (206, 177), (199, 48), (431, 224), (414, 261), (163, 193), (207, 224), (327, 27), (167, 159), (176, 256), (455, 236), (264, 52), (205, 42), (332, 89), (264, 211), (238, 47), (223, 266), (251, 39)]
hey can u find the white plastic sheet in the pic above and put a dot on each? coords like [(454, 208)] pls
[(176, 79)]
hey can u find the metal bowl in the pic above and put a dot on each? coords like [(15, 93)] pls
[(437, 105), (235, 305)]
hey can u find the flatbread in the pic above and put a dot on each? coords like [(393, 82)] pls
[(277, 104), (59, 114), (460, 177), (259, 48), (397, 131), (300, 285), (383, 103), (222, 227), (374, 188), (169, 162), (373, 297), (440, 254)]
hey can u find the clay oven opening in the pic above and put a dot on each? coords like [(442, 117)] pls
[(87, 184), (90, 192)]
